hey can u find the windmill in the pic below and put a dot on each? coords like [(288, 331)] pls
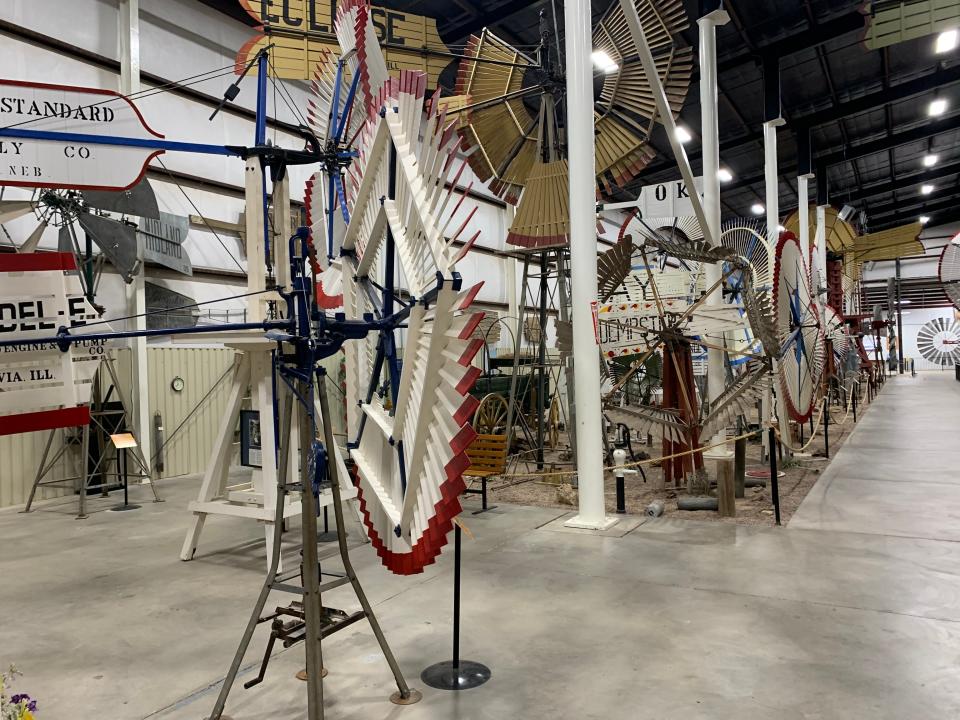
[(386, 232), (949, 270), (799, 329), (512, 125), (87, 210), (939, 341), (653, 301)]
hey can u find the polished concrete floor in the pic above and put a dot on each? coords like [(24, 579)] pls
[(853, 611)]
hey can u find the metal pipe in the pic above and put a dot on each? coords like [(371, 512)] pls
[(899, 321), (456, 597), (739, 467), (583, 265), (697, 503), (774, 485)]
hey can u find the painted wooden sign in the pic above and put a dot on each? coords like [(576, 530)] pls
[(42, 387), (25, 161), (668, 199), (301, 30)]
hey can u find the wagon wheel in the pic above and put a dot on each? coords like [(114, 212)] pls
[(490, 415), (553, 423)]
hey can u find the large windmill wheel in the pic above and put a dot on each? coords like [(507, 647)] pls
[(798, 328), (939, 341), (949, 270), (409, 409), (514, 122)]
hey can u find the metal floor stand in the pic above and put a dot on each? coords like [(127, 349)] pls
[(317, 622), (81, 482)]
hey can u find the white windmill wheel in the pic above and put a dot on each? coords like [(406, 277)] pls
[(408, 401), (835, 330), (939, 341), (949, 270), (799, 329)]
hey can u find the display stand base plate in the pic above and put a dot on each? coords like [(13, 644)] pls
[(413, 696), (120, 508), (444, 676)]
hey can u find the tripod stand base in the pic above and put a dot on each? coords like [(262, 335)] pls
[(413, 696), (444, 676), (302, 674), (119, 508)]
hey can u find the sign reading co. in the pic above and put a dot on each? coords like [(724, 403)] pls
[(26, 160)]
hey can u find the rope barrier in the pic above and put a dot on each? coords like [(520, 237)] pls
[(637, 463)]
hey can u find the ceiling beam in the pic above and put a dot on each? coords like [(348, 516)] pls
[(856, 106), (903, 182), (494, 15), (898, 138), (930, 205)]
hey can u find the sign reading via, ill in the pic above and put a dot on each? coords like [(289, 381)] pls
[(668, 199), (42, 387), (86, 165), (162, 241), (301, 30)]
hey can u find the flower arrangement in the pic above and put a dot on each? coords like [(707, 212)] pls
[(19, 706)]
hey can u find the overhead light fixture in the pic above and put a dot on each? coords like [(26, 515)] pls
[(846, 212), (683, 135), (725, 175), (603, 62), (926, 189), (757, 209), (924, 219), (929, 160), (946, 41), (937, 107)]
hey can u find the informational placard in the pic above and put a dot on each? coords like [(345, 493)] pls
[(42, 387), (300, 30), (668, 199), (162, 241), (30, 161)]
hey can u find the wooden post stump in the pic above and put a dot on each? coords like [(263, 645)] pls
[(726, 502), (739, 466)]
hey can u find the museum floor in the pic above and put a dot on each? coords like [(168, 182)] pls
[(853, 611)]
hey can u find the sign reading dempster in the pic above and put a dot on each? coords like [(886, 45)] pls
[(162, 241), (27, 160), (301, 30)]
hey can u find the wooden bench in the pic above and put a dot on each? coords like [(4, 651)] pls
[(488, 458)]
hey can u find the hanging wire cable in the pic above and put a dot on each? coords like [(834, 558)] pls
[(201, 215), (168, 310), (167, 87)]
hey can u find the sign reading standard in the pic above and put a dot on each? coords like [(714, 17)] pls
[(162, 241), (26, 160)]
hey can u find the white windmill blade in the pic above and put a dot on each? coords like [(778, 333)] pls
[(408, 400), (358, 41), (13, 209), (737, 399), (643, 418)]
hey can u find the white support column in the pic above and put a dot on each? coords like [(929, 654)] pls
[(583, 270), (129, 37), (772, 196), (820, 242), (710, 135), (803, 213)]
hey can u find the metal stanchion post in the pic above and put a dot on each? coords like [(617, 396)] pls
[(774, 485), (456, 674)]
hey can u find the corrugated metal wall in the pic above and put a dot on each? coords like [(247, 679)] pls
[(206, 373), (187, 451)]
